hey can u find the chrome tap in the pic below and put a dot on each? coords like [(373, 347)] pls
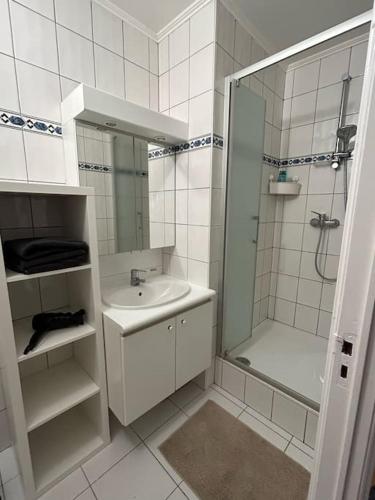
[(135, 279)]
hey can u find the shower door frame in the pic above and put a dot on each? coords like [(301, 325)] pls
[(350, 314)]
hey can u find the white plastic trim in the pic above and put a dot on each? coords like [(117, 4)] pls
[(353, 23)]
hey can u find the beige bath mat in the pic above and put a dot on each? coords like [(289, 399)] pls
[(220, 458)]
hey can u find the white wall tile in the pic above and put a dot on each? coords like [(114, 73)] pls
[(294, 209), (200, 168), (324, 139), (8, 84), (34, 38), (300, 140), (180, 112), (179, 83), (291, 236), (306, 318), (136, 46), (289, 415), (258, 396), (154, 92), (6, 45), (306, 78), (242, 45), (154, 56), (199, 207), (12, 154), (76, 56), (179, 44), (289, 262), (164, 92), (224, 66), (75, 16), (322, 179), (328, 102), (307, 269), (39, 92), (107, 29), (289, 80), (354, 97), (181, 206), (309, 293), (199, 243), (200, 114), (303, 109), (163, 55), (324, 324), (225, 28), (202, 27), (24, 299), (137, 85), (39, 151), (233, 381), (181, 245), (44, 7), (198, 272), (54, 292), (358, 59), (328, 295), (201, 71), (284, 311), (109, 71), (334, 67), (287, 287)]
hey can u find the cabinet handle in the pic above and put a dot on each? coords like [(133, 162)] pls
[(183, 322), (170, 327)]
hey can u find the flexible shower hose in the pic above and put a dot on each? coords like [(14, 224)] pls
[(333, 280)]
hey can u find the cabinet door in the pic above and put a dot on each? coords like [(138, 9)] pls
[(148, 368), (193, 343)]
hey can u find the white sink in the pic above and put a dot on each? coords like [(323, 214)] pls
[(116, 292)]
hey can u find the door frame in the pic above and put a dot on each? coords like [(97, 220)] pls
[(352, 312)]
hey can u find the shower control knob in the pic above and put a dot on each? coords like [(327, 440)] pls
[(183, 322), (170, 328)]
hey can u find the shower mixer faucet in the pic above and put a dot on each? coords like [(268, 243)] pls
[(323, 221)]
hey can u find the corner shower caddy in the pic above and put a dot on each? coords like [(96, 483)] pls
[(56, 395), (289, 188)]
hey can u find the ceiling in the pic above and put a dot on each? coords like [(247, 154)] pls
[(155, 14), (284, 23), (278, 23)]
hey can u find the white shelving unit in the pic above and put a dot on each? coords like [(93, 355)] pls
[(56, 394)]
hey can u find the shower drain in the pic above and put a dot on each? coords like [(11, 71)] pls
[(243, 360)]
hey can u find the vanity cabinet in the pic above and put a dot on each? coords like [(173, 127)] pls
[(147, 366)]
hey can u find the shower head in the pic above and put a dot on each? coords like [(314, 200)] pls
[(346, 133)]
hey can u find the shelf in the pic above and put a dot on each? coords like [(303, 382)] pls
[(51, 392), (52, 340), (59, 446), (284, 188), (12, 276)]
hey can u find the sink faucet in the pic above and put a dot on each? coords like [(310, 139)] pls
[(135, 279)]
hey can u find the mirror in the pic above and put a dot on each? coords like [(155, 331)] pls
[(134, 189)]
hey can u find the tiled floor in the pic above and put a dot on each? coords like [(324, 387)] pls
[(131, 467)]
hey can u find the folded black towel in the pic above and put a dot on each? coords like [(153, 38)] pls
[(46, 322), (30, 248), (36, 255)]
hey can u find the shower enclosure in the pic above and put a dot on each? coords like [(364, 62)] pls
[(282, 251)]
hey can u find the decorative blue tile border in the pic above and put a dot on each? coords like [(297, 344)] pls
[(271, 160), (306, 160), (15, 120), (93, 167), (196, 143)]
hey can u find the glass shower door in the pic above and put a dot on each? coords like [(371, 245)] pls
[(246, 145)]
